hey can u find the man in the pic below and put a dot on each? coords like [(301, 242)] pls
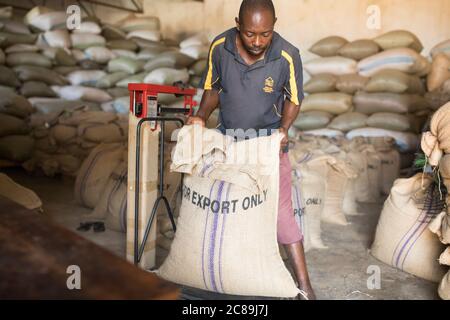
[(256, 77)]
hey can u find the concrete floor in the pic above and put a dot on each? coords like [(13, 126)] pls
[(339, 272)]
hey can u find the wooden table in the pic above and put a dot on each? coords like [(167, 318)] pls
[(35, 253)]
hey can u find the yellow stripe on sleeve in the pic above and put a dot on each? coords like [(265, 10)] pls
[(208, 82), (292, 81)]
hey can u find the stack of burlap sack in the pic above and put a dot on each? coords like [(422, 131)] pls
[(331, 176), (414, 226), (439, 77), (370, 88), (48, 68)]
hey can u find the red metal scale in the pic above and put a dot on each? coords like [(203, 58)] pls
[(144, 105)]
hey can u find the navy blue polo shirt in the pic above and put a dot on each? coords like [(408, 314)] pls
[(252, 97)]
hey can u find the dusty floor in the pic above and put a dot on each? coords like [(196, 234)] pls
[(339, 272)]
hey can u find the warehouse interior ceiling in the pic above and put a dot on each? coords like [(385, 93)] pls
[(89, 7)]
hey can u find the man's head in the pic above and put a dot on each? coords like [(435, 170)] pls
[(255, 24)]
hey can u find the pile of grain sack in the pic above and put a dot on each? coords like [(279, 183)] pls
[(49, 73), (330, 176), (439, 77), (414, 227), (369, 88)]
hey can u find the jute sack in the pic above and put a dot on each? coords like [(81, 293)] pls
[(63, 134), (359, 49), (394, 81), (370, 103), (348, 121), (128, 65), (109, 80), (99, 54), (337, 179), (133, 22), (228, 217), (10, 125), (112, 205), (16, 148), (359, 163), (444, 287), (28, 58), (332, 102), (307, 200), (85, 77), (124, 44), (311, 120), (349, 205), (441, 227), (36, 89), (103, 133), (77, 117), (440, 72), (399, 39), (444, 167), (373, 172), (57, 38), (8, 77), (46, 20), (136, 78), (85, 40), (95, 172), (329, 46), (169, 59), (443, 47), (389, 121), (402, 239), (324, 133), (351, 83), (321, 83), (404, 59), (167, 76), (390, 169), (405, 141), (13, 104), (82, 93), (34, 73), (199, 67), (436, 142), (333, 65), (88, 27), (18, 193)]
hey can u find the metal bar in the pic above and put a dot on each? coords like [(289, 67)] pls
[(108, 5), (138, 249)]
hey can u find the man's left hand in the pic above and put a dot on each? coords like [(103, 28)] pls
[(285, 141)]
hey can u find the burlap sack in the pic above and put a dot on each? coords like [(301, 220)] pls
[(402, 238), (348, 121), (399, 39), (370, 103), (228, 218), (328, 46), (440, 72), (442, 47), (334, 102), (441, 227), (394, 81), (311, 120), (95, 172), (437, 141), (403, 59), (389, 121), (390, 169), (321, 83), (337, 179), (307, 202), (349, 205), (444, 287), (10, 125), (332, 65), (18, 193), (359, 49), (351, 83), (16, 148)]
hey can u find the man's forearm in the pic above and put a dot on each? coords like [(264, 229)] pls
[(290, 113), (210, 101)]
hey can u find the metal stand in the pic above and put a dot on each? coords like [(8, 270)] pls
[(139, 250)]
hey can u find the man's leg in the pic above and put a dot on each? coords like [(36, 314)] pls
[(289, 233)]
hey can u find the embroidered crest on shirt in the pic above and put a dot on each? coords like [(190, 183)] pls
[(268, 88)]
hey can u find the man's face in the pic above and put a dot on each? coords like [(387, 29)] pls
[(256, 31)]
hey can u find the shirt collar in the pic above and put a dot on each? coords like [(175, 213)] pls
[(273, 52)]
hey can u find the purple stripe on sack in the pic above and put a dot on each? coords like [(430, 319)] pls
[(417, 226), (424, 227), (212, 244), (204, 238), (221, 240)]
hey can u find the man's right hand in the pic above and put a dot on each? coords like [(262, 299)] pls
[(195, 120)]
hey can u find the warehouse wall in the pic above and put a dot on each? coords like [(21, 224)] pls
[(305, 21)]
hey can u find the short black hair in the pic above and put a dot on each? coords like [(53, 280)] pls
[(251, 5)]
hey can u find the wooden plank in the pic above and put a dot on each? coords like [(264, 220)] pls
[(35, 253)]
